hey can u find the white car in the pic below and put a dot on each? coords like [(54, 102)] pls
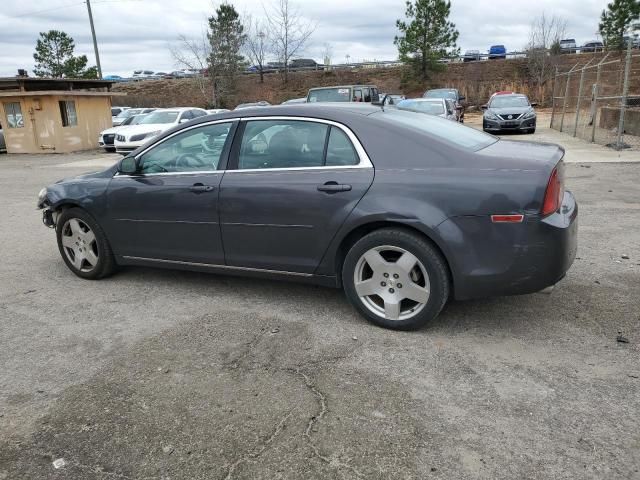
[(152, 125), (115, 111), (107, 137), (129, 112), (441, 107), (217, 110)]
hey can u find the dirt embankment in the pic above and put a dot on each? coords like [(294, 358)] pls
[(477, 81)]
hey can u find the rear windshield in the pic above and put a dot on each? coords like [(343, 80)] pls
[(450, 132), (440, 94), (330, 95), (432, 108)]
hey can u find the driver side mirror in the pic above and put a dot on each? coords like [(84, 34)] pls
[(128, 166), (534, 104), (484, 107), (462, 98)]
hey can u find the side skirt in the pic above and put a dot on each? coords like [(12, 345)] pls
[(323, 280)]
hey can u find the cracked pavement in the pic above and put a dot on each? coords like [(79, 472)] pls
[(159, 374)]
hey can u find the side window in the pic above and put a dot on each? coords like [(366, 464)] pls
[(186, 115), (357, 95), (198, 149), (367, 94), (14, 115), (197, 113), (375, 96), (68, 113), (282, 144), (340, 150)]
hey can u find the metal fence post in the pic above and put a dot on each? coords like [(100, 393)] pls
[(594, 100), (553, 96), (566, 94), (575, 127), (625, 94)]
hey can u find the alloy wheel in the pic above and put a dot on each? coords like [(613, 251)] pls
[(392, 282), (79, 245)]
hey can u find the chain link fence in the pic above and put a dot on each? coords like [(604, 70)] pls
[(599, 101)]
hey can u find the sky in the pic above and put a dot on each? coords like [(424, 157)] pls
[(139, 34)]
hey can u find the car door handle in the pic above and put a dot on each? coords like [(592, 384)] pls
[(200, 188), (334, 187)]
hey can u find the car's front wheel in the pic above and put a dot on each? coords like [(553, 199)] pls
[(396, 279), (83, 245)]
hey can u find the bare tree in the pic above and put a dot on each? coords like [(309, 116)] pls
[(544, 41), (257, 44), (193, 54), (289, 30)]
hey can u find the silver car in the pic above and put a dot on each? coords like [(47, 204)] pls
[(441, 107)]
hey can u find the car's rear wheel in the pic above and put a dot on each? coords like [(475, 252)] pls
[(396, 279), (83, 245)]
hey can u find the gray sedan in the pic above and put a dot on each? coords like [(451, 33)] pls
[(404, 211), (509, 112)]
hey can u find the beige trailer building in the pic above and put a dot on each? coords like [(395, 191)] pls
[(46, 115)]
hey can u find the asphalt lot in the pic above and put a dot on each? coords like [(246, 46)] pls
[(162, 374)]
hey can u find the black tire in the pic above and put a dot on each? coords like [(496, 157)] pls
[(531, 131), (430, 257), (105, 264)]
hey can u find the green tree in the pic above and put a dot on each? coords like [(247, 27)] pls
[(620, 17), (427, 35), (54, 57), (226, 36)]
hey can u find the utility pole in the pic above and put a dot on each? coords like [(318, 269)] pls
[(95, 42)]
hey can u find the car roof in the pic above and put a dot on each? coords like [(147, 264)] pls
[(322, 110), (344, 86)]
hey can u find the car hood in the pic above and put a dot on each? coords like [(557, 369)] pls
[(509, 110), (150, 127)]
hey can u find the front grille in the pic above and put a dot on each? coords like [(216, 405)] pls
[(514, 116), (121, 138), (108, 138)]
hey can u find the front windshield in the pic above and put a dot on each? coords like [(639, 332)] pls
[(446, 131), (508, 102), (330, 95), (135, 120), (432, 108), (159, 117), (440, 94)]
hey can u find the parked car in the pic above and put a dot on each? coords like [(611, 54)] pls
[(591, 47), (261, 103), (107, 137), (471, 56), (122, 116), (443, 211), (115, 111), (295, 100), (153, 125), (568, 45), (497, 51), (510, 112), (3, 145), (114, 78), (390, 98), (215, 111), (304, 64), (452, 94), (440, 107), (143, 75), (344, 93)]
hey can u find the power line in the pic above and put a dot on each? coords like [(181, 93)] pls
[(35, 12)]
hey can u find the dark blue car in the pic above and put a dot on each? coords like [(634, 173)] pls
[(497, 51)]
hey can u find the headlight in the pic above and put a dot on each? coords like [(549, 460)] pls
[(529, 114), (491, 115), (42, 195)]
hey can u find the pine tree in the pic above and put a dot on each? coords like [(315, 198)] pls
[(226, 36), (54, 57), (427, 35), (620, 18)]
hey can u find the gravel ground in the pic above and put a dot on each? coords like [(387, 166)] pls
[(160, 374)]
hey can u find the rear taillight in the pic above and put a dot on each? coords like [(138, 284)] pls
[(555, 191)]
